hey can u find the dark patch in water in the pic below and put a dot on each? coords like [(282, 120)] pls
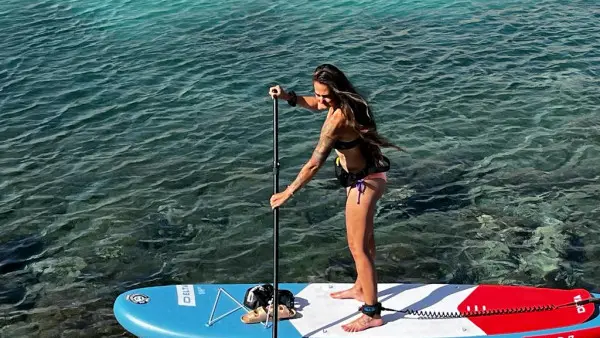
[(15, 292), (159, 232), (16, 254), (463, 274), (450, 197), (340, 267), (12, 294), (575, 252), (433, 192)]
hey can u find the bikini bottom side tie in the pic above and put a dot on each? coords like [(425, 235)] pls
[(361, 186), (358, 179)]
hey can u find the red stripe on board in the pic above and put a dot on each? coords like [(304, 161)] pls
[(491, 297), (585, 333)]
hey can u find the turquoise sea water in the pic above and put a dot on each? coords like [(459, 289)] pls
[(136, 146)]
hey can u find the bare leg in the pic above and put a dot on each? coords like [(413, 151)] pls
[(356, 292), (359, 227)]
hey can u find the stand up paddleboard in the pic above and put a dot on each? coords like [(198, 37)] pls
[(429, 310), (422, 310)]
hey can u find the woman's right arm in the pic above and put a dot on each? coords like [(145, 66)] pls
[(308, 102)]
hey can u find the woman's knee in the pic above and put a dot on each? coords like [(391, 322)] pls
[(359, 251)]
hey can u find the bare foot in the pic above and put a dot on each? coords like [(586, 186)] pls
[(353, 292), (362, 323)]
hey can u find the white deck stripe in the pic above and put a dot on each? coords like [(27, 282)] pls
[(326, 315)]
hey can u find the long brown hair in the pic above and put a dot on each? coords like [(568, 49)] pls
[(355, 108)]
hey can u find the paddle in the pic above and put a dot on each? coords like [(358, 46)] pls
[(275, 219)]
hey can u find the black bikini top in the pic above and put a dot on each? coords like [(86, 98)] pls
[(343, 145)]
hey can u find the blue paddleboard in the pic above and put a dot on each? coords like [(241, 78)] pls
[(215, 311)]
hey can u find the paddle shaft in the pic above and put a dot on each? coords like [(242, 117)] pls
[(275, 217)]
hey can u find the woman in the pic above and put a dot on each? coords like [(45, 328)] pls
[(360, 167)]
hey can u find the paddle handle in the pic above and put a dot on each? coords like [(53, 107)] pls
[(275, 217)]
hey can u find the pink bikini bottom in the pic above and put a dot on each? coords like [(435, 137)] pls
[(361, 186), (345, 178), (373, 176)]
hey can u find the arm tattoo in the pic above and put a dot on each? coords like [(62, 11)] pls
[(325, 144), (320, 154)]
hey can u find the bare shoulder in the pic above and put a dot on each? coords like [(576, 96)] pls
[(336, 120)]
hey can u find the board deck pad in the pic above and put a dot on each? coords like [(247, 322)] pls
[(185, 310)]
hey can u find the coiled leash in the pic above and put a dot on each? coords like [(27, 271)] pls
[(372, 310)]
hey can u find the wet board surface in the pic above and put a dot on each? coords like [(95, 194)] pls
[(185, 310)]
